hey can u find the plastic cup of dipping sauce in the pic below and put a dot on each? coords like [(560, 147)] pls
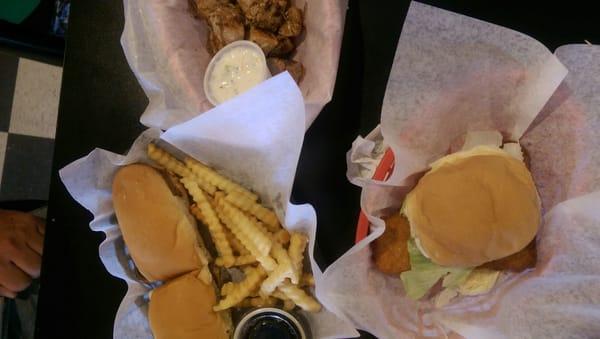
[(235, 69), (267, 323)]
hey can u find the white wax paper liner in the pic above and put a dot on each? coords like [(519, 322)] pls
[(165, 48), (560, 297), (452, 74), (254, 139)]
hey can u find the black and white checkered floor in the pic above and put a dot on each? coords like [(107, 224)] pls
[(29, 95)]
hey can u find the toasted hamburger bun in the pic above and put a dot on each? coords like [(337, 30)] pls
[(183, 309), (473, 207), (158, 229)]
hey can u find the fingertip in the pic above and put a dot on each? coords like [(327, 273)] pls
[(36, 243), (17, 279), (4, 292), (41, 227)]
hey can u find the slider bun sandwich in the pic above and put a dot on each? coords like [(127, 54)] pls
[(162, 237), (153, 214), (183, 309)]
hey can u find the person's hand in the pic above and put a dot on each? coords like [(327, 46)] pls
[(21, 245)]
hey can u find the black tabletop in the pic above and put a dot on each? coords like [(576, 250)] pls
[(101, 103)]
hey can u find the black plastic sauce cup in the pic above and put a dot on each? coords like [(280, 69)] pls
[(271, 323)]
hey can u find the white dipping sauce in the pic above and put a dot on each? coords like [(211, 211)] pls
[(235, 69)]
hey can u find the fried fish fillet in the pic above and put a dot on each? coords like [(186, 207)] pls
[(390, 251), (518, 262)]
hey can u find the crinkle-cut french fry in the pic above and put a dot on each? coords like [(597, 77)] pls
[(227, 288), (253, 233), (205, 185), (235, 243), (245, 260), (211, 220), (167, 161), (205, 275), (170, 163), (300, 297), (288, 305), (219, 195), (219, 262), (280, 254), (203, 255), (258, 302), (239, 261), (307, 280), (262, 213), (249, 269), (259, 225), (235, 229), (211, 176), (282, 236), (298, 243), (242, 289), (197, 213), (266, 261), (284, 270), (275, 279), (279, 295)]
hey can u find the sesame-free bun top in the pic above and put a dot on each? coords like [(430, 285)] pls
[(473, 207), (154, 218), (183, 309)]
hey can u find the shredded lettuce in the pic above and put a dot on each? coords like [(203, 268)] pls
[(424, 274), (456, 277)]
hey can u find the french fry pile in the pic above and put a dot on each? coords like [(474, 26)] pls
[(247, 236)]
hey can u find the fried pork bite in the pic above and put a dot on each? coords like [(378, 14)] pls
[(284, 47), (265, 39), (278, 65), (293, 23), (265, 14), (225, 25), (202, 8)]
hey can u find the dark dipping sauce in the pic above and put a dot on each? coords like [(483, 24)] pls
[(270, 326)]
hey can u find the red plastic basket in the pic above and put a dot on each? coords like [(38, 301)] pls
[(382, 173)]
